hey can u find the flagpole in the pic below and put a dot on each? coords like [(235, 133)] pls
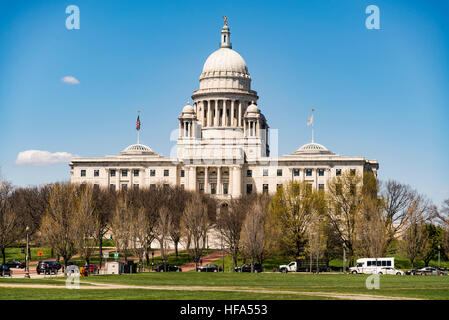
[(138, 131), (312, 123)]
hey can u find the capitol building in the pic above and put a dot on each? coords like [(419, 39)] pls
[(223, 144)]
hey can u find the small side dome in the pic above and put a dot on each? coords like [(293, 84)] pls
[(136, 149), (252, 108), (313, 148), (188, 108)]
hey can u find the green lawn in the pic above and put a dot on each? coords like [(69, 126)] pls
[(423, 287)]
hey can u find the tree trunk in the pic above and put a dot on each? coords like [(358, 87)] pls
[(176, 248), (101, 251), (4, 255), (147, 257)]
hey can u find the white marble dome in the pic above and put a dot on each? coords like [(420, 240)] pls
[(225, 60)]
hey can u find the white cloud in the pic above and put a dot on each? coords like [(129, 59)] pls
[(42, 158), (70, 79), (444, 191)]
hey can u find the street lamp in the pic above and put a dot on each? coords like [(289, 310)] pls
[(27, 259)]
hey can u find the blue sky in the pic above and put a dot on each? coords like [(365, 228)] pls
[(383, 94)]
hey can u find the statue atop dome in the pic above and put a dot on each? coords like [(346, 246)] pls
[(225, 20)]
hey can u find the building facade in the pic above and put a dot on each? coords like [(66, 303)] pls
[(222, 147)]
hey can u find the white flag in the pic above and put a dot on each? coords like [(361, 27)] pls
[(310, 120)]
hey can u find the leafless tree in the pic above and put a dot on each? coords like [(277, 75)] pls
[(195, 223), (121, 224), (176, 201), (87, 222), (414, 242), (58, 227), (105, 206), (253, 233), (163, 230), (345, 196), (230, 219), (397, 198), (11, 226), (372, 233)]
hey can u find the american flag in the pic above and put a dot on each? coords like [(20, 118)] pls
[(138, 123)]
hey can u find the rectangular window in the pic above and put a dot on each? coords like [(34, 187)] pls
[(279, 172), (321, 187), (249, 188), (136, 186), (369, 263), (96, 173), (296, 172), (182, 186), (152, 173), (265, 172), (225, 188), (201, 187), (112, 187), (124, 187), (265, 188), (96, 186), (321, 172), (388, 263), (213, 188), (384, 263), (83, 173), (308, 172), (338, 172), (136, 173), (112, 172), (352, 171), (166, 172), (124, 173), (249, 173), (182, 173)]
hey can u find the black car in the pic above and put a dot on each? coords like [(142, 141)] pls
[(48, 267), (411, 272), (167, 268), (5, 270), (16, 264), (247, 268), (209, 268)]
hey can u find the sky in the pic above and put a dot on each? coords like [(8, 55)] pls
[(378, 93)]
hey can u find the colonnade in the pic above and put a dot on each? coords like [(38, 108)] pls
[(221, 112)]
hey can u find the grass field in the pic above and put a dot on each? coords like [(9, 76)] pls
[(271, 286)]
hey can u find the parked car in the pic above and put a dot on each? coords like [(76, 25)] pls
[(167, 268), (247, 268), (5, 270), (430, 271), (209, 268), (16, 264), (411, 272), (92, 268), (48, 267), (391, 270)]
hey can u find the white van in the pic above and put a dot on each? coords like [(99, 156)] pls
[(372, 265)]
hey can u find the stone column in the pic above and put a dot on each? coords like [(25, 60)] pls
[(180, 129), (240, 115), (206, 179), (219, 180), (217, 115), (223, 117), (232, 112), (237, 182)]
